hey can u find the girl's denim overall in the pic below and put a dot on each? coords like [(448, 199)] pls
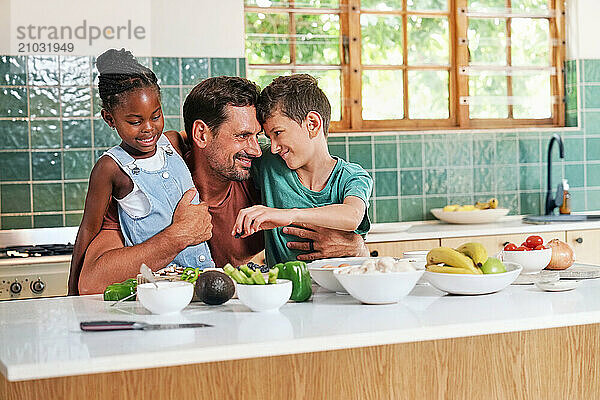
[(163, 189)]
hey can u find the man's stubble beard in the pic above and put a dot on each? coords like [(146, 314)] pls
[(229, 172)]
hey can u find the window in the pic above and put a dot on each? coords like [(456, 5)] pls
[(417, 64)]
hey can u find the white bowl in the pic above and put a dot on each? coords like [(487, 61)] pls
[(417, 262), (337, 261), (324, 276), (474, 284), (469, 217), (532, 261), (326, 279), (170, 297), (378, 288), (265, 297)]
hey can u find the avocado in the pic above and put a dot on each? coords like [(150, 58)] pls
[(214, 287)]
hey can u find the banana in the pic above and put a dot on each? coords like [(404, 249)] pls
[(466, 207), (448, 270), (482, 206), (491, 203), (475, 251), (451, 207), (446, 255)]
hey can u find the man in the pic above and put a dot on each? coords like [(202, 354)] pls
[(221, 131)]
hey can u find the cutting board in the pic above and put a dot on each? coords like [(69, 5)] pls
[(575, 271), (580, 271)]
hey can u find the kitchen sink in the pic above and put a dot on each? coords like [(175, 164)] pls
[(550, 219)]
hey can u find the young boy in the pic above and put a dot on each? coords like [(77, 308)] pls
[(300, 181)]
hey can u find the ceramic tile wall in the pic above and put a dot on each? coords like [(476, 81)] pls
[(51, 134)]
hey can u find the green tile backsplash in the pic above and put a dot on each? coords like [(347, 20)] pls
[(15, 198), (51, 134), (196, 69), (13, 102), (13, 70)]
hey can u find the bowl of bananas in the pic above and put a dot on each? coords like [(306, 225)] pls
[(468, 270), (478, 213)]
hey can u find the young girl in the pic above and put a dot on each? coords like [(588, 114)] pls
[(144, 174)]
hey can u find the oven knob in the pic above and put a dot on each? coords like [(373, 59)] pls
[(37, 287), (16, 288)]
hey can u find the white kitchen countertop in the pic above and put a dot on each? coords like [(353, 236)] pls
[(41, 338), (419, 230)]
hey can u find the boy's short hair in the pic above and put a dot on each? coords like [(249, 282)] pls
[(294, 96), (209, 99)]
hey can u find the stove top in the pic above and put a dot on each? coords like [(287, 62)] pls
[(41, 250), (35, 263)]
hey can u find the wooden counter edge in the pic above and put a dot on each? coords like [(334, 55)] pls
[(556, 363)]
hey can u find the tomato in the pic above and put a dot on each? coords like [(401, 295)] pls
[(510, 247), (522, 248), (534, 241), (540, 247)]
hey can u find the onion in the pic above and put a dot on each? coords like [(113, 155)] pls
[(562, 255)]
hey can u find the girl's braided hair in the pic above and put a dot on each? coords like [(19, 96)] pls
[(120, 73)]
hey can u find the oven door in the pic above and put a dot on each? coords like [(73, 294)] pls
[(27, 278)]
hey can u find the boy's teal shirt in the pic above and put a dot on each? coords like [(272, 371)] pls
[(281, 188)]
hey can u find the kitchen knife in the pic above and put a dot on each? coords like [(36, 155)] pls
[(96, 326)]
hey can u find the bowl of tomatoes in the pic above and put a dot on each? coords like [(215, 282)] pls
[(532, 254)]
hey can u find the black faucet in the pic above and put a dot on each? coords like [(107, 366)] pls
[(553, 202)]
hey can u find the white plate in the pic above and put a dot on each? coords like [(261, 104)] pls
[(469, 217), (474, 284), (558, 286), (390, 227)]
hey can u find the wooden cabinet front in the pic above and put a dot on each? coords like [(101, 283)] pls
[(586, 245), (395, 249), (536, 364)]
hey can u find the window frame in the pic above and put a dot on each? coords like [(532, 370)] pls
[(351, 68)]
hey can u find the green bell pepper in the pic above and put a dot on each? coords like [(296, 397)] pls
[(190, 274), (296, 272), (118, 291)]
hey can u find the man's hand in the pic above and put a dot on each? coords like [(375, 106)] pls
[(192, 223), (326, 243), (108, 260), (253, 219)]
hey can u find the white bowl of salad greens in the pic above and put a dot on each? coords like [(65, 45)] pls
[(259, 291), (268, 297)]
